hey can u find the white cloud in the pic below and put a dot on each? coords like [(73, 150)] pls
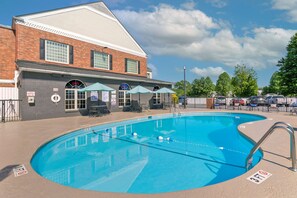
[(190, 5), (217, 3), (192, 34), (209, 71), (287, 5)]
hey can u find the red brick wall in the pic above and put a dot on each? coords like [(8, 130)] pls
[(28, 49), (7, 55)]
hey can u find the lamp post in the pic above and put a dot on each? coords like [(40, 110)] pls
[(185, 89)]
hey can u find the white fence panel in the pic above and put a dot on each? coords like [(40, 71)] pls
[(9, 104), (7, 93)]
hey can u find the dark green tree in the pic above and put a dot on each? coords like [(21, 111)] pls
[(275, 83), (265, 90), (179, 88), (202, 87), (244, 81), (223, 86), (288, 68)]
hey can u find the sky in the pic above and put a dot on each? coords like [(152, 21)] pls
[(208, 37)]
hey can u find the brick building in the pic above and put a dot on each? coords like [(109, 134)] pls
[(60, 51)]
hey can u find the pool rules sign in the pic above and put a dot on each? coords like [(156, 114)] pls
[(259, 177)]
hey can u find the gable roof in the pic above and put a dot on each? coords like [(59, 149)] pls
[(92, 22)]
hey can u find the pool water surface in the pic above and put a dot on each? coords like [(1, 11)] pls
[(150, 155)]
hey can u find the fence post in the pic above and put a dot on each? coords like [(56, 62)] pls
[(3, 111)]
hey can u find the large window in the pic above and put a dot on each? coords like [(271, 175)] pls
[(132, 66), (75, 100), (101, 60), (156, 96), (124, 97), (56, 52)]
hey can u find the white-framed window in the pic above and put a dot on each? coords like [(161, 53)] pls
[(75, 100), (101, 60), (124, 97), (156, 96), (56, 52), (132, 66)]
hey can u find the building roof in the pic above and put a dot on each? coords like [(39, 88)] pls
[(149, 69), (64, 70), (92, 22), (5, 26)]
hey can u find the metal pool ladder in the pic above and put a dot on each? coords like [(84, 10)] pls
[(277, 125)]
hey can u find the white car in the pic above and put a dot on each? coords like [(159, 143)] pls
[(278, 100)]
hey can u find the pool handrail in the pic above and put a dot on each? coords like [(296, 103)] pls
[(277, 125)]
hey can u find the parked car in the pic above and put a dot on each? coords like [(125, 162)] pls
[(221, 100), (237, 100), (259, 100), (278, 100)]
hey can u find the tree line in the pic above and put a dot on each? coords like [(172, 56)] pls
[(244, 81)]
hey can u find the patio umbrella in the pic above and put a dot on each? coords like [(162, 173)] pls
[(165, 90), (96, 87), (139, 90)]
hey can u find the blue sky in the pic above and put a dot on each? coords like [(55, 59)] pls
[(207, 36)]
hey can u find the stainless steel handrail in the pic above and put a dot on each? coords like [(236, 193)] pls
[(290, 130)]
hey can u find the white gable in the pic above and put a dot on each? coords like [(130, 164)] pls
[(92, 23)]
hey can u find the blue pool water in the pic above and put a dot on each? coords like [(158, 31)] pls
[(197, 150)]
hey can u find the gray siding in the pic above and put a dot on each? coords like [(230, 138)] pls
[(43, 84)]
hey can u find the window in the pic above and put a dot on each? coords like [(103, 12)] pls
[(101, 60), (132, 66), (156, 96), (124, 97), (75, 100), (56, 52)]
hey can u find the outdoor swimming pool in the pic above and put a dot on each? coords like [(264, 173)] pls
[(149, 155)]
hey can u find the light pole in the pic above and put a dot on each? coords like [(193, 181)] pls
[(185, 89)]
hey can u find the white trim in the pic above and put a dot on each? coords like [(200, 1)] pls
[(54, 12), (85, 75), (6, 81), (29, 23)]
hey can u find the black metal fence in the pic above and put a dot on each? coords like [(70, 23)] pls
[(10, 110)]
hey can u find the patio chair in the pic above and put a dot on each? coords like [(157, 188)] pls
[(252, 106), (237, 105), (273, 107), (293, 110), (135, 107)]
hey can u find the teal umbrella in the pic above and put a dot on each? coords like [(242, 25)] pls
[(96, 87), (139, 90), (165, 90)]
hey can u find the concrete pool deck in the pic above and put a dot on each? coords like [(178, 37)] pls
[(19, 141)]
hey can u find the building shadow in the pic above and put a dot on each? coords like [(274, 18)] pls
[(6, 171)]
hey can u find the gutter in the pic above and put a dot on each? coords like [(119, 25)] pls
[(21, 69)]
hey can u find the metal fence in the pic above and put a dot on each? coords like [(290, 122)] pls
[(202, 103), (9, 110)]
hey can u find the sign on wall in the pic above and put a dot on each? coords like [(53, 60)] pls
[(30, 93), (94, 96), (113, 100), (105, 96)]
